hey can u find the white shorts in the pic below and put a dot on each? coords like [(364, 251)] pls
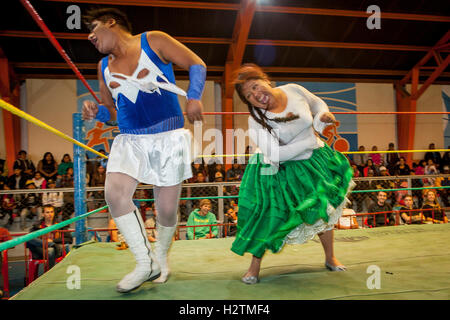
[(161, 159)]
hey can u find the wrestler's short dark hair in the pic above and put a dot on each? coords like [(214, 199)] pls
[(104, 14)]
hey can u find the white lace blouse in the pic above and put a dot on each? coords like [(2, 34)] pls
[(297, 138)]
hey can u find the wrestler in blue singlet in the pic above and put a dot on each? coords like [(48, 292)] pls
[(142, 112)]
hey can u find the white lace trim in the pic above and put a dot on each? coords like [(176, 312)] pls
[(305, 232)]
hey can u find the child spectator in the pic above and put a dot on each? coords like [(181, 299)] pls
[(39, 181), (200, 217)]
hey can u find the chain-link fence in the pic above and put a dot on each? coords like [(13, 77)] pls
[(21, 208)]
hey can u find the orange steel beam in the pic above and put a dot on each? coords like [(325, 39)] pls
[(235, 55), (442, 43), (352, 13), (259, 42), (439, 70), (11, 126), (407, 102), (264, 8)]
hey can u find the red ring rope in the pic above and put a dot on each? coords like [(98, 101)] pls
[(56, 44)]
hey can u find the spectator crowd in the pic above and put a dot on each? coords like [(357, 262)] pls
[(385, 169)]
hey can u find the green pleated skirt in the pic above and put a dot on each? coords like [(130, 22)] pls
[(291, 203)]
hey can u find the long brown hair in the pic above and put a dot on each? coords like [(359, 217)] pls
[(246, 72)]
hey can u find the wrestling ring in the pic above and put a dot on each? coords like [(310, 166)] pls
[(390, 263)]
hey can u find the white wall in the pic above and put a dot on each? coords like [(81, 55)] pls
[(429, 128), (52, 102), (378, 130)]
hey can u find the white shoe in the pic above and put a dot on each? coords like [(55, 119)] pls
[(132, 229), (164, 237)]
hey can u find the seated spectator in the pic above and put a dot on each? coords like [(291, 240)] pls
[(360, 160), (356, 173), (67, 181), (376, 157), (150, 224), (433, 212), (17, 180), (235, 173), (391, 159), (380, 205), (198, 166), (39, 181), (408, 212), (370, 166), (402, 169), (433, 156), (9, 206), (420, 169), (24, 164), (445, 161), (443, 182), (99, 176), (48, 167), (66, 162), (200, 217), (30, 205), (53, 197), (430, 169), (97, 180), (218, 177), (231, 217), (217, 169), (55, 239)]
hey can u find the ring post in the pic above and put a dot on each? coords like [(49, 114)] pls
[(79, 165)]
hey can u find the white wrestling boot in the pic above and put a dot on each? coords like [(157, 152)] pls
[(163, 241), (132, 228)]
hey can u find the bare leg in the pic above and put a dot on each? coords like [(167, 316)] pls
[(252, 275), (327, 240)]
